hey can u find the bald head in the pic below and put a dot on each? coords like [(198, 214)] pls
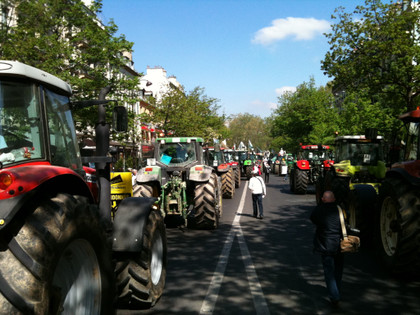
[(328, 197)]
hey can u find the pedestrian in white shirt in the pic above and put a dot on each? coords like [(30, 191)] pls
[(257, 187)]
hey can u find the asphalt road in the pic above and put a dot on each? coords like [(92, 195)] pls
[(251, 266)]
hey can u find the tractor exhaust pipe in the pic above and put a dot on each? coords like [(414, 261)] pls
[(103, 172)]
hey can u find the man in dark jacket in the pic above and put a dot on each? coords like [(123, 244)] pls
[(327, 243)]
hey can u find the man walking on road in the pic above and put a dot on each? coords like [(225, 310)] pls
[(327, 243), (257, 186)]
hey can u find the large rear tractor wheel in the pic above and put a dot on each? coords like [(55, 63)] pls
[(206, 205), (141, 276), (276, 169), (248, 172), (57, 261), (292, 180), (144, 190), (228, 184), (340, 186), (301, 181), (398, 232), (361, 204), (237, 177)]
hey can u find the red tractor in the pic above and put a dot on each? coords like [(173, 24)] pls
[(312, 161), (215, 158), (233, 160), (398, 214), (60, 250)]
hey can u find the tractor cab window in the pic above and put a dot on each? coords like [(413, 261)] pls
[(242, 156), (64, 149), (20, 124), (361, 153), (177, 153), (412, 146), (215, 158)]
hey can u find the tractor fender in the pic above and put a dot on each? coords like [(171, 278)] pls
[(366, 193), (149, 174), (303, 165), (404, 175), (13, 204), (200, 173), (129, 223)]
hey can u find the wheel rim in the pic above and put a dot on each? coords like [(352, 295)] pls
[(77, 276), (388, 215), (156, 264)]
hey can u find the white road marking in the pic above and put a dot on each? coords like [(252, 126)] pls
[(209, 302)]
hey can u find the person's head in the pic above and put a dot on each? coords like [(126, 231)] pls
[(328, 197), (254, 173)]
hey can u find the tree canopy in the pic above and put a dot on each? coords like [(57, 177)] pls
[(307, 116), (66, 39), (189, 114), (376, 49), (246, 127)]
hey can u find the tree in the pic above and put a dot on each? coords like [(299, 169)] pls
[(189, 114), (376, 50), (307, 116), (247, 127), (66, 39)]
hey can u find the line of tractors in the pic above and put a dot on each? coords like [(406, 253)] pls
[(64, 249), (377, 183), (85, 240)]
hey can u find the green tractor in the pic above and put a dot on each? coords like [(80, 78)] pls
[(189, 191), (355, 178), (246, 160)]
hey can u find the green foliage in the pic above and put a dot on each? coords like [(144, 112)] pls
[(376, 49), (358, 113), (190, 115), (66, 39), (244, 127), (307, 116)]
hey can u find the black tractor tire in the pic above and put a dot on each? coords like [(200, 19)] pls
[(319, 189), (207, 209), (248, 172), (219, 196), (237, 177), (301, 181), (360, 209), (57, 261), (144, 190), (340, 186), (276, 169), (292, 180), (141, 276), (398, 227), (228, 184)]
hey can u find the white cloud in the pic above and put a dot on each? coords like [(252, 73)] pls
[(297, 28), (284, 89)]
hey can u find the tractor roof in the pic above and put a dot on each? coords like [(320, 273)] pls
[(17, 69), (359, 137), (413, 116), (315, 147), (180, 139)]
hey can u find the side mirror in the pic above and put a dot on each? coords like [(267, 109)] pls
[(119, 119)]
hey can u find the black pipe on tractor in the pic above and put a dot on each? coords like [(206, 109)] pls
[(103, 168)]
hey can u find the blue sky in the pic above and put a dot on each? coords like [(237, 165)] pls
[(242, 52)]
